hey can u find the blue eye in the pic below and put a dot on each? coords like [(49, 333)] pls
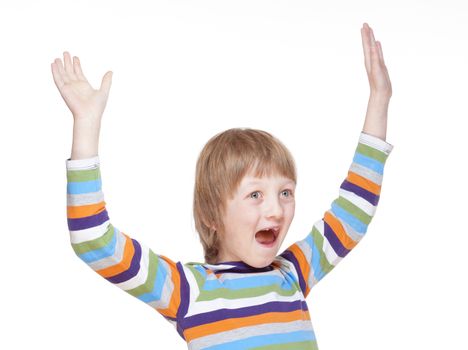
[(253, 193), (290, 193)]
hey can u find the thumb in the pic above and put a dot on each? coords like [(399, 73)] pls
[(106, 82)]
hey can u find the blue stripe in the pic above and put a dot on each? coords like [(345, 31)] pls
[(156, 293), (101, 253), (263, 340), (84, 187), (246, 282), (368, 162), (351, 220), (289, 255), (316, 267)]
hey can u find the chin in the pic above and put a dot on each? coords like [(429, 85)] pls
[(260, 263)]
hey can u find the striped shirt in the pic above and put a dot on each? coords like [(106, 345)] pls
[(229, 305)]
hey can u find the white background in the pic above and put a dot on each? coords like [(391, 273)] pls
[(186, 70)]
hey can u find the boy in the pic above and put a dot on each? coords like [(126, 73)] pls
[(244, 296)]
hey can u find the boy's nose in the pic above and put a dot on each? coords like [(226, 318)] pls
[(274, 209)]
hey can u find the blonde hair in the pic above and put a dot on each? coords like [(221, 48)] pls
[(221, 165)]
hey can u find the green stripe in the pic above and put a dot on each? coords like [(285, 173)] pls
[(243, 293), (96, 243), (198, 276), (353, 210), (372, 152), (317, 237), (147, 287), (83, 175)]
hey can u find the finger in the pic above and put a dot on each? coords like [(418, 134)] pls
[(375, 59), (372, 36), (56, 74), (375, 55), (379, 45), (106, 82), (67, 62), (77, 68), (61, 71), (69, 66), (366, 45)]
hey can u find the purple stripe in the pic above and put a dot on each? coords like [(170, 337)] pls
[(184, 300), (288, 255), (222, 314), (361, 192), (242, 267), (88, 221), (334, 241), (132, 270)]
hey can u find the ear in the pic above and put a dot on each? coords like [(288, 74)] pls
[(212, 226)]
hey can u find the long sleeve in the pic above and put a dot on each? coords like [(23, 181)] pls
[(122, 260), (346, 222)]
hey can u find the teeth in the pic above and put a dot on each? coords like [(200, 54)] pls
[(274, 229)]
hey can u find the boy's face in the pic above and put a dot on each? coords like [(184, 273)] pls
[(258, 203)]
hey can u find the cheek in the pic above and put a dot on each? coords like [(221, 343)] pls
[(292, 207), (245, 213)]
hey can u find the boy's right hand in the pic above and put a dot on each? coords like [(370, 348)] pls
[(84, 102)]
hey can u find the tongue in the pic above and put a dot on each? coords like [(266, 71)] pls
[(265, 236)]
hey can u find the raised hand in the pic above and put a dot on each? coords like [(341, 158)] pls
[(84, 102), (379, 80)]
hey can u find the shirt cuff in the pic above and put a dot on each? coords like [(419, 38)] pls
[(81, 164), (375, 142)]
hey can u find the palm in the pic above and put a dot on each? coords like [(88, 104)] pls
[(81, 98)]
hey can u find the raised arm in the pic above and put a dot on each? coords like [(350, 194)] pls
[(120, 259), (345, 223)]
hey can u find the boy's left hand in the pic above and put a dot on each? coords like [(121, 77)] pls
[(379, 81)]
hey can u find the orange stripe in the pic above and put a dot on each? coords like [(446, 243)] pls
[(233, 323), (360, 181), (174, 303), (81, 211), (340, 232), (129, 251), (303, 264)]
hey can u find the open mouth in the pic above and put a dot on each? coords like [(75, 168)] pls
[(267, 237)]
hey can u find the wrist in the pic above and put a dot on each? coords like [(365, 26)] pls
[(379, 99), (85, 139), (78, 153)]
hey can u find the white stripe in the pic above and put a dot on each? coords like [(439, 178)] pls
[(219, 267), (327, 249), (81, 164), (193, 286), (88, 234), (375, 142), (197, 307), (114, 259), (142, 275), (358, 201)]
